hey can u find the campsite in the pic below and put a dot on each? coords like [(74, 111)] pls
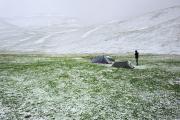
[(103, 59), (89, 59), (72, 87)]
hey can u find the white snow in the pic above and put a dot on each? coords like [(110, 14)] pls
[(90, 31), (155, 32), (41, 40)]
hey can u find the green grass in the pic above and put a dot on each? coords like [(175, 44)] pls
[(62, 88)]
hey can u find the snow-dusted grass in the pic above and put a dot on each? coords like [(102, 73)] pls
[(66, 88)]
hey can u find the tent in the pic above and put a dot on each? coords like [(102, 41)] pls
[(125, 64), (110, 58), (101, 59)]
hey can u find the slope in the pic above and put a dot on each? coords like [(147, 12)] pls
[(154, 32)]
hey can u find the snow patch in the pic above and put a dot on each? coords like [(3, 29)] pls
[(90, 32)]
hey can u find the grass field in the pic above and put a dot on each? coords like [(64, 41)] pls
[(38, 87)]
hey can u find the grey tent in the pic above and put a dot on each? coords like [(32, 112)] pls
[(125, 64), (101, 59)]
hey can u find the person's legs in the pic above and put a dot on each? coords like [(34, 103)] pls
[(137, 61)]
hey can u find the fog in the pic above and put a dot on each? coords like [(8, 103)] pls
[(86, 11)]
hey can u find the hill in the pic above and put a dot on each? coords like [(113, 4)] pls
[(155, 32)]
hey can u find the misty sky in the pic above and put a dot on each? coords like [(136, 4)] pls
[(87, 11)]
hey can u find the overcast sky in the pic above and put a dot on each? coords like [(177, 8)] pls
[(87, 11)]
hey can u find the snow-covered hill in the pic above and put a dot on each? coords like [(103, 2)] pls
[(155, 32)]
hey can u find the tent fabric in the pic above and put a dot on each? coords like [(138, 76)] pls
[(125, 64), (110, 58), (101, 59)]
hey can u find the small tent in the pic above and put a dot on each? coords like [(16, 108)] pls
[(125, 64), (101, 59)]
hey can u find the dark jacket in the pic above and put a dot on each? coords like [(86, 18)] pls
[(136, 54)]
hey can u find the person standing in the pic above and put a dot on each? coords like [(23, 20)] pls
[(136, 57)]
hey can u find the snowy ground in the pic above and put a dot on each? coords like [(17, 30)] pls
[(155, 32), (39, 87)]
